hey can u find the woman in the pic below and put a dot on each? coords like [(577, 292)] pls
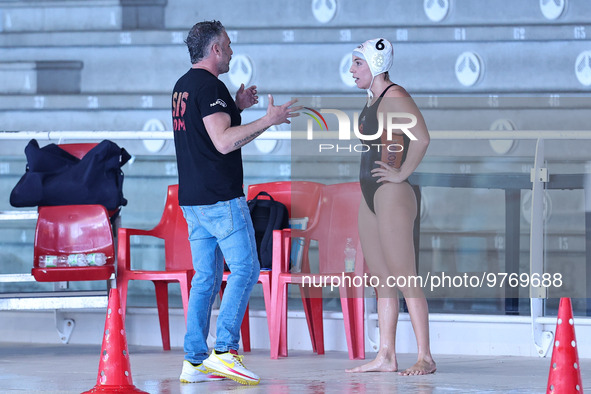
[(389, 207)]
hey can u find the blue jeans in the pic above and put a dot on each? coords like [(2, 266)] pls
[(218, 231)]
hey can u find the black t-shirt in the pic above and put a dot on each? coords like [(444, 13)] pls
[(206, 176)]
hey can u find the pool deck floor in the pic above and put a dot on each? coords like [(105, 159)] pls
[(58, 368)]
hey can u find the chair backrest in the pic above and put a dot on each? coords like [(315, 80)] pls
[(337, 221), (70, 229), (78, 150), (173, 229), (300, 197)]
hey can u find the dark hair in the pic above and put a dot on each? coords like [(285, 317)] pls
[(200, 38)]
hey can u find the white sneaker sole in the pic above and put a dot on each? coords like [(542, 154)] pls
[(201, 381), (198, 377), (213, 369)]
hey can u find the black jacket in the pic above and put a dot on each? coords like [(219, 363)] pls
[(55, 177)]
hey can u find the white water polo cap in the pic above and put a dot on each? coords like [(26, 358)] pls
[(379, 55)]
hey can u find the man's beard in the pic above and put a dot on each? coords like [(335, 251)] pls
[(224, 68)]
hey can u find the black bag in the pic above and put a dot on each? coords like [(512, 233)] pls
[(267, 215), (55, 177)]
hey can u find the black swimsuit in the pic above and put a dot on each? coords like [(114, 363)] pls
[(380, 149)]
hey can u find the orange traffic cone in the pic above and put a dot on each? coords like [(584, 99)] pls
[(565, 374), (114, 374)]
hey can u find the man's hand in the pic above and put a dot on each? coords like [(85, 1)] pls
[(246, 98), (227, 138), (277, 114)]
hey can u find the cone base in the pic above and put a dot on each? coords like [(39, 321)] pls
[(114, 389)]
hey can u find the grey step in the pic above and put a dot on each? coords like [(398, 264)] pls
[(440, 118), (142, 14), (110, 14), (350, 13), (502, 32), (18, 77), (313, 69), (41, 77), (59, 15), (81, 119), (68, 15)]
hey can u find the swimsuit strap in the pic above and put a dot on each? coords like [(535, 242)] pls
[(385, 90), (382, 95)]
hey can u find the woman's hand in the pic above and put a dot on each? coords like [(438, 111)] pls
[(386, 173)]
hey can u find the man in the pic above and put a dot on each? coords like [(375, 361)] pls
[(208, 136)]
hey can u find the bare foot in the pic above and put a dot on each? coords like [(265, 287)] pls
[(380, 364), (422, 367)]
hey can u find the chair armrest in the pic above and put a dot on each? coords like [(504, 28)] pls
[(297, 233), (123, 245), (282, 249), (126, 232)]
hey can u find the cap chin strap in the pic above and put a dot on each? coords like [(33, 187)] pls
[(369, 92)]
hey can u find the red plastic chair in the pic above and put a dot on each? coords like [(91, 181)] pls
[(72, 229), (178, 264), (82, 229), (78, 150), (337, 221), (301, 199)]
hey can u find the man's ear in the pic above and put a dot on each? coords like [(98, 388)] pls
[(215, 48)]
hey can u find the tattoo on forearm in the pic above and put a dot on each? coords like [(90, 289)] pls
[(251, 137)]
